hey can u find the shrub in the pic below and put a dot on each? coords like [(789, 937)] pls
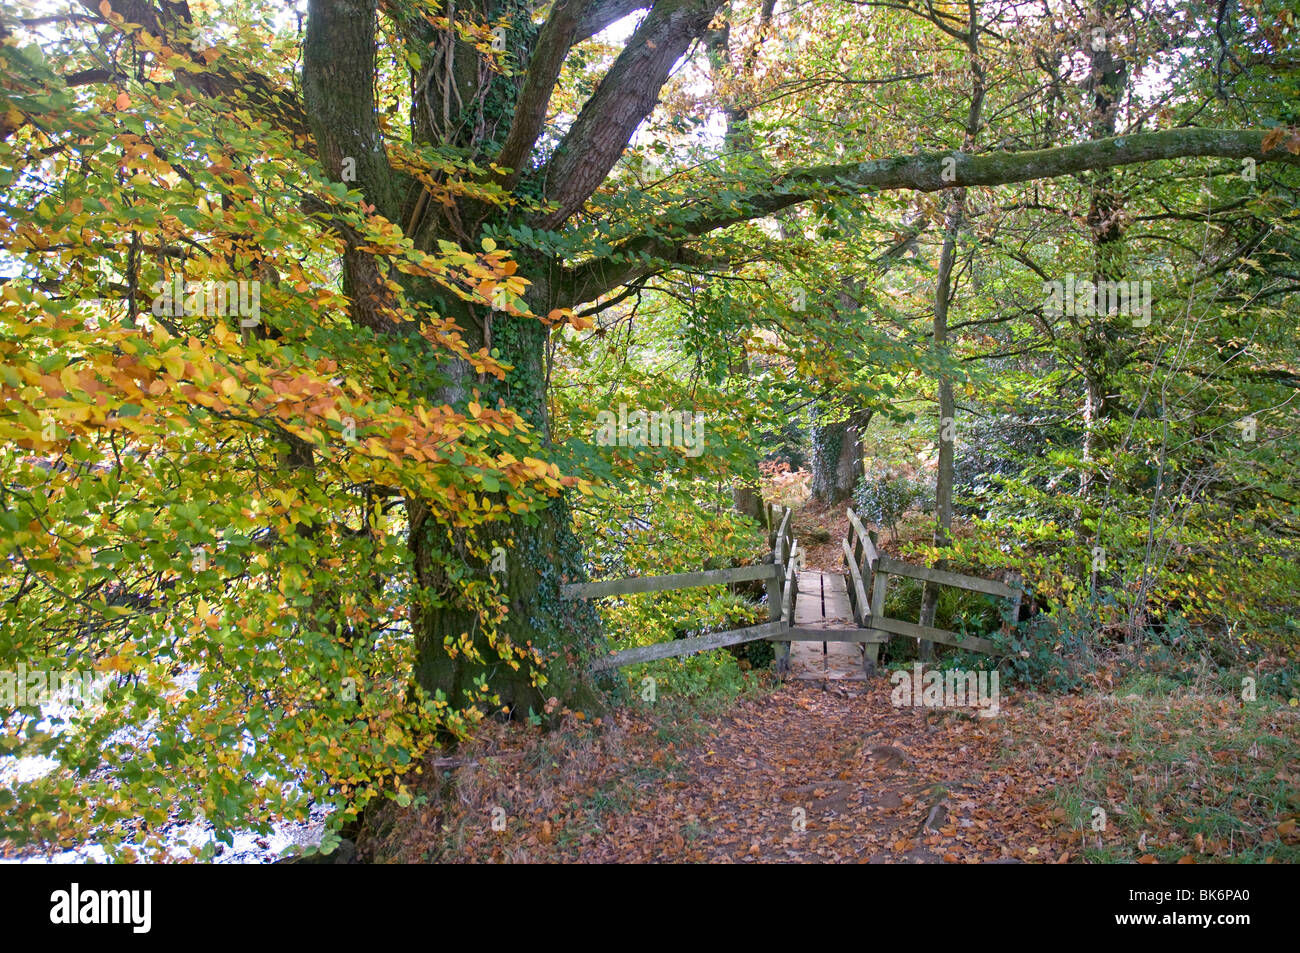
[(884, 498)]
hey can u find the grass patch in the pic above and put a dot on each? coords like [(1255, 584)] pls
[(1186, 773)]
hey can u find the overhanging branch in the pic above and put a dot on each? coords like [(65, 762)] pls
[(929, 172)]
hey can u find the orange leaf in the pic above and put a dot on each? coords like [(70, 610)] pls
[(1272, 139)]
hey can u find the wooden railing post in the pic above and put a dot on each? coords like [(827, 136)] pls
[(774, 594), (879, 585), (1014, 581), (789, 593)]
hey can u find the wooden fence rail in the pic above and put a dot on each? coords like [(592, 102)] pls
[(782, 591), (682, 580), (868, 572), (865, 562), (700, 643), (861, 556)]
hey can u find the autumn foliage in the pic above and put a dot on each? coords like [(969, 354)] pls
[(201, 508)]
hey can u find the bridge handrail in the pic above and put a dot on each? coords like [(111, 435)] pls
[(782, 591), (791, 591), (861, 555), (681, 580), (857, 588)]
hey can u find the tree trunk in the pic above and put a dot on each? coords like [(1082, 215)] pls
[(538, 559), (947, 411), (540, 554), (472, 646), (747, 499), (1101, 346), (837, 458), (942, 298)]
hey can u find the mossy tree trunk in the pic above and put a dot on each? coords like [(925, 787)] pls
[(943, 292), (837, 461)]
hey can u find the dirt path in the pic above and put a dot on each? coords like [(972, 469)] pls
[(801, 774), (839, 775)]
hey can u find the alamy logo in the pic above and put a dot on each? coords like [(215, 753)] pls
[(955, 688), (217, 299), (37, 687), (103, 906), (654, 428), (1090, 298)]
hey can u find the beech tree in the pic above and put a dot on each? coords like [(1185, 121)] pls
[(431, 192)]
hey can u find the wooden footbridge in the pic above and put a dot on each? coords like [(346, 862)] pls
[(835, 609)]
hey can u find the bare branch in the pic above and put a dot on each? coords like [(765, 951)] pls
[(624, 98), (553, 43), (603, 13)]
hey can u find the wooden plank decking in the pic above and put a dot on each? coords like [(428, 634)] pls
[(824, 617)]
